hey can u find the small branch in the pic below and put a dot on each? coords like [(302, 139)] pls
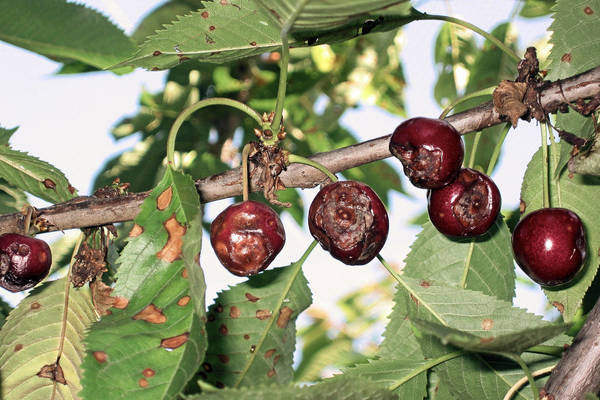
[(90, 211)]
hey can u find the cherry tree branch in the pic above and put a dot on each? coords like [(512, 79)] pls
[(91, 211)]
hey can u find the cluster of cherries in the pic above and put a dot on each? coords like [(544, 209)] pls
[(349, 220)]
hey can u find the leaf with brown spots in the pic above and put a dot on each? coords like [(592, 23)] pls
[(259, 315), (28, 367), (163, 322)]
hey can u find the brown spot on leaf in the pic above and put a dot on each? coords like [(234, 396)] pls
[(211, 28), (271, 373), (487, 340), (183, 301), (223, 330), (414, 299), (18, 347), (120, 302), (155, 69), (49, 183), (425, 284), (148, 372), (53, 372), (252, 43), (151, 314), (252, 298), (522, 206), (223, 2), (508, 100), (263, 314), (224, 358), (174, 341), (566, 58), (172, 249), (246, 337), (252, 349), (284, 316), (207, 367), (588, 10), (71, 189), (143, 383), (156, 53), (559, 306), (164, 199), (219, 308), (183, 58), (184, 273), (487, 324), (234, 312), (204, 14), (269, 353), (100, 356), (137, 230), (35, 305), (276, 359)]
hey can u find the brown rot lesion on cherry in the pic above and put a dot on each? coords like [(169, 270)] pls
[(24, 261)]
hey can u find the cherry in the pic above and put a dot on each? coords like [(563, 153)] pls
[(24, 261), (430, 150), (246, 237), (349, 221), (549, 245), (467, 207)]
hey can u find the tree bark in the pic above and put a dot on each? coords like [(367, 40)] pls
[(91, 211)]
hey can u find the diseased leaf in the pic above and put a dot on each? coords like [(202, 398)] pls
[(587, 162), (63, 30), (330, 389), (32, 336), (34, 176), (515, 342), (161, 15), (575, 38), (484, 264), (150, 346), (252, 328), (578, 194)]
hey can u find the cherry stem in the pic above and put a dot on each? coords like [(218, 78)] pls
[(497, 149), (529, 376), (479, 93), (293, 158), (283, 66), (474, 149), (545, 166), (515, 388), (245, 181), (428, 365), (215, 101), (28, 214), (507, 50)]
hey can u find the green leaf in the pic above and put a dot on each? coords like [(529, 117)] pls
[(152, 346), (330, 389), (63, 30), (5, 135), (34, 176), (12, 199), (161, 15), (5, 309), (484, 264), (536, 8), (516, 342), (578, 194), (575, 38), (252, 328), (319, 15), (587, 162), (396, 374), (32, 336)]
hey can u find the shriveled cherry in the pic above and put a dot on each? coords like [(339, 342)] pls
[(430, 150), (549, 245), (246, 237), (24, 261), (467, 207), (349, 221)]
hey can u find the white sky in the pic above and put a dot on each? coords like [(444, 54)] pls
[(66, 121)]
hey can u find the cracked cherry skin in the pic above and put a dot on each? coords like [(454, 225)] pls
[(246, 237), (430, 150), (349, 221), (549, 245), (465, 208), (24, 261)]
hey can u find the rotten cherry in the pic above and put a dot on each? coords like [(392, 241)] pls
[(430, 150), (349, 221), (549, 245), (24, 261), (246, 237), (466, 207)]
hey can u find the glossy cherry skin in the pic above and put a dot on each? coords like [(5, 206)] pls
[(430, 150), (465, 208), (349, 221), (246, 237), (549, 245), (24, 261)]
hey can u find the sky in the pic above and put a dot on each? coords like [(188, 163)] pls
[(66, 120)]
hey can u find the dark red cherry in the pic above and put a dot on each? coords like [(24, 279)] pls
[(467, 207), (349, 221), (24, 261), (246, 237), (430, 150), (549, 245)]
